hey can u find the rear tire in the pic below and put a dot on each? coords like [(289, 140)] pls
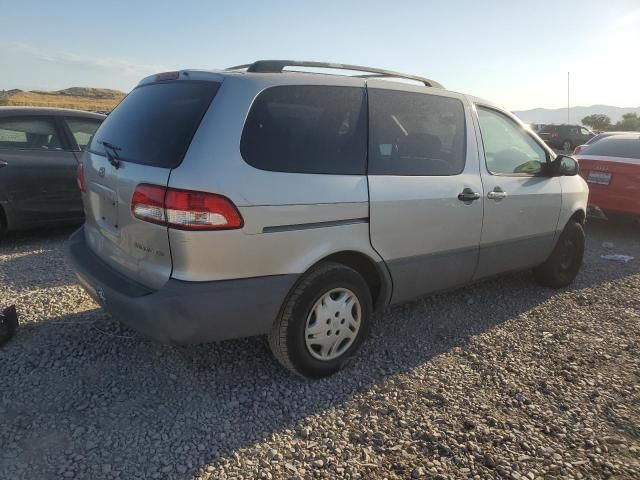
[(564, 263), (323, 322), (3, 224)]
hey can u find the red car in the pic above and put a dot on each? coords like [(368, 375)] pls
[(611, 167), (595, 139)]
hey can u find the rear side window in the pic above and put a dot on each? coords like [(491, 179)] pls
[(615, 146), (155, 123), (29, 133), (83, 130), (307, 129), (415, 134)]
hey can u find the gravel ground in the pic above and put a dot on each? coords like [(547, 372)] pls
[(504, 379)]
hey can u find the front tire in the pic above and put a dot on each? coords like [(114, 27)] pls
[(567, 146), (564, 263), (323, 322)]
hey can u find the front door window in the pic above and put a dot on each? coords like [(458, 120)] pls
[(509, 150)]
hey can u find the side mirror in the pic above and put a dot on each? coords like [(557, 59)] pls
[(564, 165)]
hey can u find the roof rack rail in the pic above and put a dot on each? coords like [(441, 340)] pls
[(276, 66)]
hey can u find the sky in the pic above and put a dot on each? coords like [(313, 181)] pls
[(515, 53)]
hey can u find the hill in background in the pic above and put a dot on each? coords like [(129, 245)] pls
[(559, 115), (92, 99), (105, 100)]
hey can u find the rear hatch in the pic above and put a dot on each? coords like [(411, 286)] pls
[(548, 133), (140, 142)]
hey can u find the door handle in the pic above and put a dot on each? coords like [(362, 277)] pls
[(3, 163), (468, 195), (497, 194)]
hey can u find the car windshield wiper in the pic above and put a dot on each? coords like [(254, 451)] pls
[(112, 153)]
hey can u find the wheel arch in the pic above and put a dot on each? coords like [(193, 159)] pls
[(579, 216), (375, 274)]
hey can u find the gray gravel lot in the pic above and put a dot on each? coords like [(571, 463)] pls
[(504, 379)]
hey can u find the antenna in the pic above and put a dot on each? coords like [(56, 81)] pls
[(568, 102)]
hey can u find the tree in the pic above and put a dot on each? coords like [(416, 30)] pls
[(597, 121), (630, 123)]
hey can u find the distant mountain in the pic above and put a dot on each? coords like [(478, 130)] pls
[(105, 100), (559, 115), (86, 92), (80, 98), (8, 93)]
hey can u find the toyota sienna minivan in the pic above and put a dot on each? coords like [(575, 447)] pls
[(259, 200)]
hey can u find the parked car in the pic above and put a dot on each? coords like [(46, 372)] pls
[(39, 153), (537, 127), (260, 201), (565, 137), (611, 166), (594, 139)]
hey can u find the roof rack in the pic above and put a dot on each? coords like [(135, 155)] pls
[(276, 66)]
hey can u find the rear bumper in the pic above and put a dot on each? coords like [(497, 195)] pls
[(612, 201), (181, 312)]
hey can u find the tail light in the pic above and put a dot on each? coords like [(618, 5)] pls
[(184, 209), (80, 178), (147, 203)]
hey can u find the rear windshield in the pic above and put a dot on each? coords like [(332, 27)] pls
[(615, 146), (155, 123)]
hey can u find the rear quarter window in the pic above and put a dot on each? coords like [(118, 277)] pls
[(155, 123), (307, 129), (82, 129)]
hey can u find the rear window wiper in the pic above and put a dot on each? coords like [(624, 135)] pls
[(112, 153)]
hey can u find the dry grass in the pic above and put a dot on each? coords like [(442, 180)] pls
[(92, 99)]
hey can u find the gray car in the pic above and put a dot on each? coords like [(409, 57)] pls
[(257, 200), (40, 150)]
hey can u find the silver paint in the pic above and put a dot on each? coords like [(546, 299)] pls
[(428, 238)]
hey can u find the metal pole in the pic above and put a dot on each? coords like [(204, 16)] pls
[(568, 103)]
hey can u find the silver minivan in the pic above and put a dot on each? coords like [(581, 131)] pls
[(259, 200)]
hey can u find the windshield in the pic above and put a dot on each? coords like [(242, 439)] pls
[(155, 123)]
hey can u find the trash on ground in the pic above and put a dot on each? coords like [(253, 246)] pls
[(8, 324), (617, 257)]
